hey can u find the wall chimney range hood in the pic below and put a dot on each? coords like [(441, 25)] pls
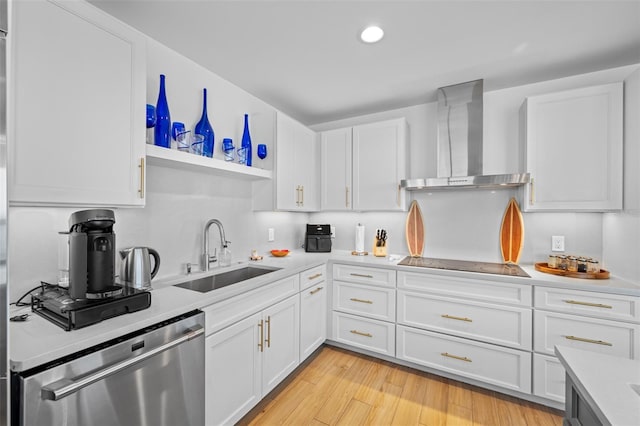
[(460, 114)]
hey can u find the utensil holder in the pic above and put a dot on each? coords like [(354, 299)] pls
[(379, 251)]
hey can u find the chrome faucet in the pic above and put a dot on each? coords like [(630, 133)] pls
[(207, 260)]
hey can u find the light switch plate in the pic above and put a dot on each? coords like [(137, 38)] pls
[(272, 234)]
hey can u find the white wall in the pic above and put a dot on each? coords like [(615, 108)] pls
[(621, 244), (464, 224)]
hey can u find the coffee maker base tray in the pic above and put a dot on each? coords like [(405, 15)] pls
[(92, 312)]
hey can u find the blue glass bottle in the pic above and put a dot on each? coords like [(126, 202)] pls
[(203, 127), (162, 130), (246, 140)]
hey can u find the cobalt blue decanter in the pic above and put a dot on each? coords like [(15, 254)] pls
[(162, 130), (203, 127), (246, 140)]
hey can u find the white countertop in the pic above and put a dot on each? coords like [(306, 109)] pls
[(605, 383), (37, 341)]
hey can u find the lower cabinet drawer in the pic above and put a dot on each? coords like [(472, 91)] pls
[(548, 377), (369, 301), (502, 325), (591, 334), (508, 368), (365, 333), (312, 276)]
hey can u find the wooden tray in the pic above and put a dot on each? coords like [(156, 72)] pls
[(544, 267)]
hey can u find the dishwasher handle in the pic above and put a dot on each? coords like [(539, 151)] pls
[(62, 388)]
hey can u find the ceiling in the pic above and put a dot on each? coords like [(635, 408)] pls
[(304, 56)]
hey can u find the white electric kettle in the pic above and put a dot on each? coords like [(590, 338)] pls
[(136, 269)]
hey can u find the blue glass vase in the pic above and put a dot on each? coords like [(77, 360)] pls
[(246, 140), (162, 130), (203, 127)]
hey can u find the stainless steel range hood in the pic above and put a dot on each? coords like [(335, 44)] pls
[(460, 115)]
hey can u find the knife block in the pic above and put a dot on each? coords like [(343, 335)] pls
[(379, 251)]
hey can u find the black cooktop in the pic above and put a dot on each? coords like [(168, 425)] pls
[(464, 265)]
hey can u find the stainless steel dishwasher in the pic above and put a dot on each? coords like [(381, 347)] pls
[(152, 377)]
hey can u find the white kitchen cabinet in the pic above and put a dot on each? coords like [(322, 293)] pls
[(246, 360), (77, 107), (590, 321), (490, 323), (591, 334), (313, 318), (296, 184), (574, 149), (281, 344), (364, 308), (358, 299), (475, 328), (336, 191), (504, 367), (361, 167), (233, 371), (364, 333), (548, 377), (379, 163)]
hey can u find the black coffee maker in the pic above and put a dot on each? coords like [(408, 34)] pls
[(92, 255)]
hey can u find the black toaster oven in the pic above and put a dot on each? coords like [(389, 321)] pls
[(318, 239)]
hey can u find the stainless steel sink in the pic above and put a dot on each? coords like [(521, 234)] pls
[(224, 279)]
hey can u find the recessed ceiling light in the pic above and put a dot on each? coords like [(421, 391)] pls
[(372, 34)]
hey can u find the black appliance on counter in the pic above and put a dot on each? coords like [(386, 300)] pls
[(93, 294), (318, 239)]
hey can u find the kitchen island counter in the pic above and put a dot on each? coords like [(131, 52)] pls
[(609, 385)]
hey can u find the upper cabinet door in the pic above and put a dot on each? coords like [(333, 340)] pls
[(379, 163), (574, 150), (336, 191), (296, 166), (77, 132)]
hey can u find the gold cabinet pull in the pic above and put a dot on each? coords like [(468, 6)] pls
[(346, 196), (595, 342), (360, 333), (595, 305), (531, 198), (313, 277), (361, 275), (353, 299), (461, 358), (268, 339), (261, 341), (141, 189), (456, 318), (298, 195), (315, 291)]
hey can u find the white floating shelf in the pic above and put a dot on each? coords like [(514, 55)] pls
[(164, 157)]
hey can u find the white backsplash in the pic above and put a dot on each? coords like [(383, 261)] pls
[(465, 225), (178, 205)]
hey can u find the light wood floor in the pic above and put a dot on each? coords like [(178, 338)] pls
[(338, 387)]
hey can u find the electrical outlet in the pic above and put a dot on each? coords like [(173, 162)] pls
[(557, 243), (272, 234), (333, 231)]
